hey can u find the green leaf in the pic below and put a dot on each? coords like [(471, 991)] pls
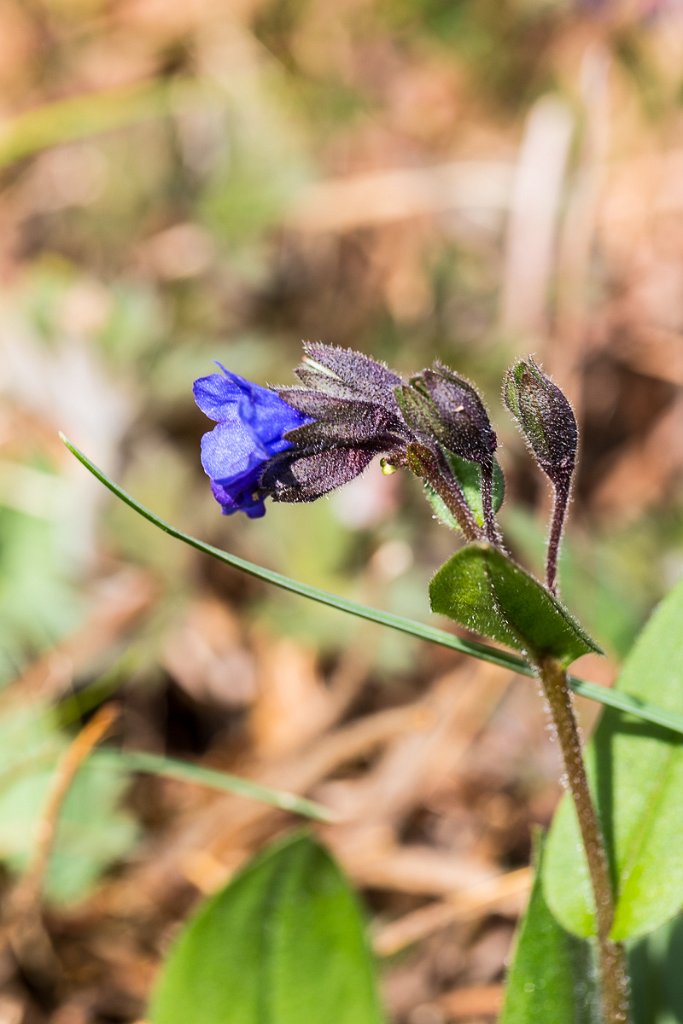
[(642, 709), (596, 577), (552, 977), (468, 475), (656, 976), (184, 771), (636, 774), (283, 943), (484, 590)]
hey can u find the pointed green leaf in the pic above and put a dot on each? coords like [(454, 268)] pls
[(552, 977), (468, 475), (636, 773), (283, 943), (484, 590)]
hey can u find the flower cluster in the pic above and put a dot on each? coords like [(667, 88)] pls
[(294, 444)]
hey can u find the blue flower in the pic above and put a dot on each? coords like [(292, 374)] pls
[(252, 422)]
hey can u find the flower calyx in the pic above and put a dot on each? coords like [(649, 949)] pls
[(352, 416)]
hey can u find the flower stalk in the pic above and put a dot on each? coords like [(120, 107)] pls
[(611, 955), (490, 524), (548, 425), (561, 493), (423, 462)]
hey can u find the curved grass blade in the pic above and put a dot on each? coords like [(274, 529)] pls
[(397, 622), (503, 659), (78, 117), (185, 771)]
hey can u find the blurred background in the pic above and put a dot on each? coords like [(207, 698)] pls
[(185, 182)]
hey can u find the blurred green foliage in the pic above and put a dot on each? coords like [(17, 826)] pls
[(156, 230), (93, 831)]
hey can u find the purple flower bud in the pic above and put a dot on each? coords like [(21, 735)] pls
[(545, 418), (440, 404), (464, 425), (305, 476), (252, 422), (347, 374), (548, 424)]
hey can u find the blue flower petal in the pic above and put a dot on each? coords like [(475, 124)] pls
[(230, 452), (216, 396), (251, 423), (238, 501)]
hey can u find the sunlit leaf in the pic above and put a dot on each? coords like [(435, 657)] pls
[(636, 772), (283, 943), (484, 590)]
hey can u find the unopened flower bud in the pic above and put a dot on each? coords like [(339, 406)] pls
[(545, 418), (452, 411), (466, 428)]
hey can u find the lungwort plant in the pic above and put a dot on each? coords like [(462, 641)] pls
[(284, 942)]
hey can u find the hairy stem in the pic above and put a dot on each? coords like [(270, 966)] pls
[(611, 955), (561, 490), (424, 463), (490, 524)]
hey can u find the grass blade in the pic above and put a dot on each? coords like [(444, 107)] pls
[(185, 771), (511, 662), (79, 117)]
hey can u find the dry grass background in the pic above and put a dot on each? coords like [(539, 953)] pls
[(183, 182)]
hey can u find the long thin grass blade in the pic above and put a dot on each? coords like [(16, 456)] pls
[(484, 652)]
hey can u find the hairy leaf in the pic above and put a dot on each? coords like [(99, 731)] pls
[(484, 590)]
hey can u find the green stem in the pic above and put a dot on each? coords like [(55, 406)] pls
[(424, 463), (611, 955)]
